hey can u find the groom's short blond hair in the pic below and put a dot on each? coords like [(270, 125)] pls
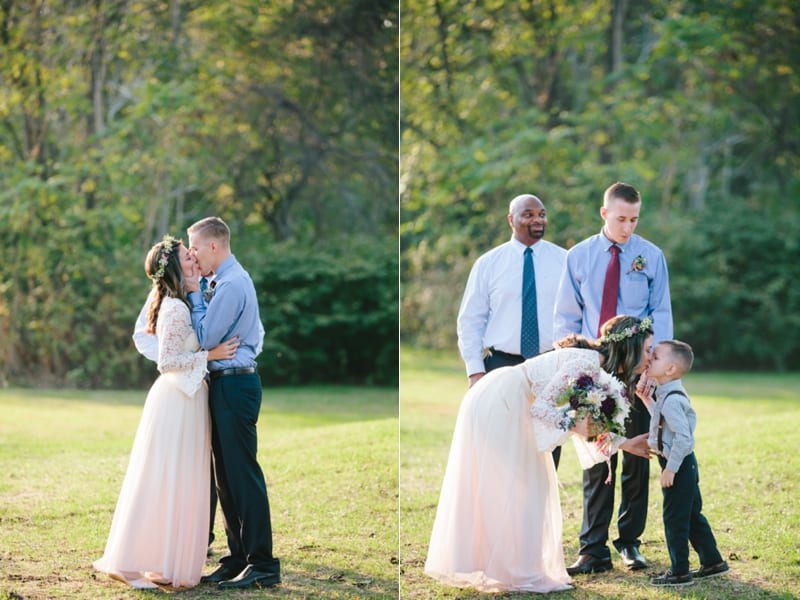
[(212, 227)]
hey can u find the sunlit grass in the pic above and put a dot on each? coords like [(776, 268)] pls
[(747, 441), (329, 455)]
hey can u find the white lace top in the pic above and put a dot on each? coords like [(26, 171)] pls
[(179, 354), (547, 375)]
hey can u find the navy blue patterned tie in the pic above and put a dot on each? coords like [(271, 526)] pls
[(529, 335)]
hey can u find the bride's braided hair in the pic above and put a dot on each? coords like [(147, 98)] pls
[(163, 266)]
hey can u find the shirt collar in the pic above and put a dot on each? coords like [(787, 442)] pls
[(225, 266), (520, 247), (670, 386), (607, 243)]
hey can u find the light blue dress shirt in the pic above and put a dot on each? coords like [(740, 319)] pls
[(642, 293), (232, 311), (147, 343)]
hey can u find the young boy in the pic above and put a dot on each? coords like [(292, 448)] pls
[(672, 425)]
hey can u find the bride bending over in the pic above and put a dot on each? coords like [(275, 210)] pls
[(498, 524)]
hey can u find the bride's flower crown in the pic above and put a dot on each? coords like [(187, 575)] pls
[(169, 243), (644, 326)]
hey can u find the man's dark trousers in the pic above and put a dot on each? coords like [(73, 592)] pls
[(598, 497), (235, 404)]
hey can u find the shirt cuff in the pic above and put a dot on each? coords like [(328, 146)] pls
[(475, 366), (196, 298)]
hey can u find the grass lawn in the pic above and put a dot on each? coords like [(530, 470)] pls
[(747, 449), (329, 455)]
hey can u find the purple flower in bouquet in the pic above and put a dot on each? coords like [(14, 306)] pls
[(596, 395)]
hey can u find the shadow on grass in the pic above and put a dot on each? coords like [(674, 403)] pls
[(621, 585), (316, 581), (85, 583)]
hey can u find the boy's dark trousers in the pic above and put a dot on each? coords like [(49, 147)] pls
[(684, 522)]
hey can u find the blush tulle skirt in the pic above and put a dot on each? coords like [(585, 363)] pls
[(159, 532), (498, 524)]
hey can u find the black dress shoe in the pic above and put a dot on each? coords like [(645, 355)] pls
[(711, 571), (631, 558), (587, 563), (672, 580), (222, 573), (251, 576)]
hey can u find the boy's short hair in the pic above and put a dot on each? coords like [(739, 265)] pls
[(681, 353)]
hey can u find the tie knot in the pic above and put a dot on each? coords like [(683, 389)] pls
[(614, 249), (528, 251)]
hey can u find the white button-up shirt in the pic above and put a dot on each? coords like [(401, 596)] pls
[(491, 308)]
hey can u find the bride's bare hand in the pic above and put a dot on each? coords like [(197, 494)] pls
[(225, 350), (645, 388), (581, 427)]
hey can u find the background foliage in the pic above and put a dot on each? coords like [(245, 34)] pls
[(697, 104), (121, 120)]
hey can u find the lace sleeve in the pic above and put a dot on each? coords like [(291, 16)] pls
[(173, 328), (551, 424)]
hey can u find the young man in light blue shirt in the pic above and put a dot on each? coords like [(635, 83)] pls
[(234, 396), (642, 291)]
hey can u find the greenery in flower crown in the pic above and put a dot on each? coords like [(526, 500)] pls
[(644, 326), (169, 243)]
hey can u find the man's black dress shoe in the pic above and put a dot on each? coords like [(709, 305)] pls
[(250, 576), (222, 573), (711, 571), (587, 563), (631, 558)]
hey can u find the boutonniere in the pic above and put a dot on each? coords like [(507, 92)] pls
[(208, 293), (638, 264)]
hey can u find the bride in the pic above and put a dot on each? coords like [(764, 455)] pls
[(498, 524), (159, 533)]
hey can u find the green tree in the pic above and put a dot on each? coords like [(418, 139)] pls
[(693, 103), (120, 121)]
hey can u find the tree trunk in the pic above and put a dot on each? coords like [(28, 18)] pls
[(617, 35)]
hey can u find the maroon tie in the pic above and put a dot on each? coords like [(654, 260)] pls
[(608, 308)]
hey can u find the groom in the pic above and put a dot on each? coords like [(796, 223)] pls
[(614, 272), (235, 401)]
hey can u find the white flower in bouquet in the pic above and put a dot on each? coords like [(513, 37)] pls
[(596, 395)]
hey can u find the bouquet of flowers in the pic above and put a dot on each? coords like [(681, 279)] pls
[(595, 395)]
